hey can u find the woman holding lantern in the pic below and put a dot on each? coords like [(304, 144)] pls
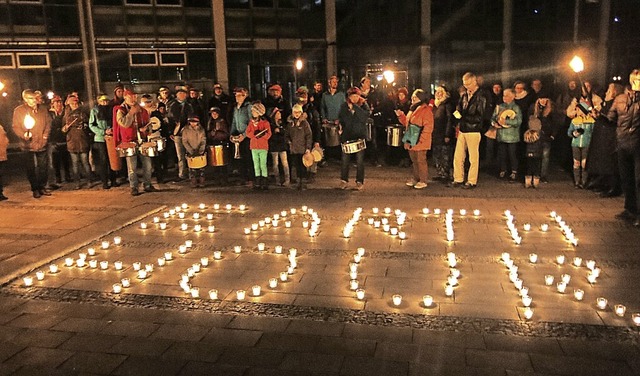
[(32, 124)]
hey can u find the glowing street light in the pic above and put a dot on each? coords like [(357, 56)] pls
[(389, 76), (577, 64), (299, 64)]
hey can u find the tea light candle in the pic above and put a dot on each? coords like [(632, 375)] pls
[(386, 228), (82, 256), (370, 220), (376, 224), (592, 278), (204, 261), (209, 216), (91, 251), (163, 226), (240, 294), (463, 212), (217, 255), (143, 226), (544, 227), (184, 278), (197, 228), (242, 207), (452, 280), (261, 223), (357, 258), (261, 247), (560, 259), (360, 294), (562, 287), (117, 240), (601, 303), (184, 205), (290, 269), (526, 300), (162, 261), (168, 256), (117, 265), (293, 252), (527, 226), (216, 206), (137, 265), (181, 215), (237, 248), (184, 227), (427, 300), (40, 275), (476, 212), (256, 290), (353, 275), (69, 261), (566, 278), (387, 210), (202, 206), (591, 264), (80, 263), (518, 284), (247, 230), (528, 313), (213, 294), (636, 318), (283, 213), (186, 287), (287, 224), (397, 299), (578, 294), (455, 272), (278, 249), (142, 274), (273, 283), (448, 290), (196, 215), (353, 267), (402, 235), (53, 268), (93, 264), (393, 231), (353, 284), (425, 211), (533, 258), (117, 288), (620, 310), (284, 276), (196, 267), (105, 244), (195, 292), (274, 223), (125, 282), (28, 281), (173, 211), (211, 228)]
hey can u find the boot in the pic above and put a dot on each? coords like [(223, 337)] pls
[(257, 184), (194, 183), (536, 181), (527, 181), (201, 182), (265, 183), (585, 176), (576, 178)]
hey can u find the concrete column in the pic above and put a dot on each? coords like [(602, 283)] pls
[(86, 57), (92, 51), (220, 38), (507, 38), (425, 45), (332, 36), (601, 68)]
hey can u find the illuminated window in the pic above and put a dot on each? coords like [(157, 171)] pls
[(32, 60)]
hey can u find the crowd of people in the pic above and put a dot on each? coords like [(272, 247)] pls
[(516, 127)]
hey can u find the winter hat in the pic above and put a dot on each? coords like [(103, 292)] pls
[(421, 94), (215, 109), (258, 108), (193, 118), (353, 90)]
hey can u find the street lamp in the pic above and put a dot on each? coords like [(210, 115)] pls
[(389, 76), (297, 67), (299, 64), (577, 64)]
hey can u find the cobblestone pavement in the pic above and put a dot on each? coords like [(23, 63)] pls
[(71, 322)]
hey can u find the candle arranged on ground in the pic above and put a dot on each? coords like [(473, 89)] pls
[(213, 294), (427, 300), (601, 303), (620, 309), (396, 299)]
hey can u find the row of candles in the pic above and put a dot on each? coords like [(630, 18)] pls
[(518, 283), (566, 229), (181, 212), (462, 212), (385, 225)]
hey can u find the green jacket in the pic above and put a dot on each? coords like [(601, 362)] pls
[(511, 134)]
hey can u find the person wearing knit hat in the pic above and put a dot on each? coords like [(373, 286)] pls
[(194, 140), (99, 123), (118, 95), (275, 99), (299, 138), (353, 116), (259, 132)]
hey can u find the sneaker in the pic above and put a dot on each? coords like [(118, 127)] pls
[(420, 185), (135, 192), (151, 188), (36, 194), (502, 175), (344, 184), (512, 177), (469, 186), (411, 183), (359, 186), (454, 184), (45, 192)]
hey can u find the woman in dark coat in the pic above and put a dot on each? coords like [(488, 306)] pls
[(443, 136)]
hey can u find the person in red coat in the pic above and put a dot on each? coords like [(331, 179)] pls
[(259, 131), (421, 116)]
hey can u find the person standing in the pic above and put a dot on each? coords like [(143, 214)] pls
[(239, 123), (507, 119), (353, 117), (99, 125), (278, 148), (32, 125), (57, 154), (220, 100), (443, 135), (419, 120), (259, 132), (178, 112), (330, 105), (625, 111), (299, 138), (195, 145), (470, 113), (4, 142), (75, 127)]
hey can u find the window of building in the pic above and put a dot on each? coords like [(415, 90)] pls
[(143, 59), (7, 61), (287, 3), (31, 60), (197, 3), (263, 3), (173, 59), (237, 4), (137, 2), (169, 3)]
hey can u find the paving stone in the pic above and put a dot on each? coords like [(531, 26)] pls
[(438, 355), (138, 365), (568, 365), (324, 328), (402, 352), (7, 350), (130, 328), (41, 338), (73, 324), (9, 332), (9, 303), (232, 337), (260, 371), (100, 363), (251, 357), (498, 359), (449, 338), (6, 370), (346, 346), (379, 333), (598, 350), (440, 369), (196, 351), (90, 342), (43, 371), (83, 310), (5, 317), (193, 368), (265, 324), (141, 346), (180, 332), (357, 366), (39, 357), (288, 342), (36, 321), (504, 342), (312, 363)]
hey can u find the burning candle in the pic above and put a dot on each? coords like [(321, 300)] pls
[(117, 288), (601, 303), (261, 247), (202, 206), (393, 231), (566, 278), (184, 278), (162, 261), (353, 275), (526, 300), (387, 210), (93, 264), (197, 228), (636, 318), (237, 248), (402, 235), (28, 281), (196, 215), (91, 251), (242, 207), (217, 255), (476, 212), (591, 278), (143, 226), (211, 228), (165, 215), (357, 258), (360, 294), (463, 212), (196, 267), (425, 211), (117, 240), (283, 213), (117, 265), (261, 223), (247, 230), (533, 258), (284, 276), (353, 267), (40, 275), (528, 313), (184, 227), (163, 226), (137, 265), (181, 215), (173, 211), (561, 286), (125, 282), (53, 268), (427, 300), (304, 208), (191, 272), (240, 294), (578, 294), (168, 256), (80, 263), (619, 309), (105, 244), (209, 216), (82, 256), (273, 283), (452, 280), (287, 224), (577, 261), (142, 274), (213, 294), (69, 261), (527, 226), (278, 249), (216, 206), (518, 284), (188, 243), (448, 290), (397, 299), (195, 292), (544, 227), (560, 259), (386, 227), (353, 284), (204, 261), (256, 290), (184, 205), (290, 269)]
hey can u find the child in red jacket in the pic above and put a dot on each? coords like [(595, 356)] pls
[(259, 131)]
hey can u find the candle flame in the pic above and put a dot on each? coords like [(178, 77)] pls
[(29, 122)]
